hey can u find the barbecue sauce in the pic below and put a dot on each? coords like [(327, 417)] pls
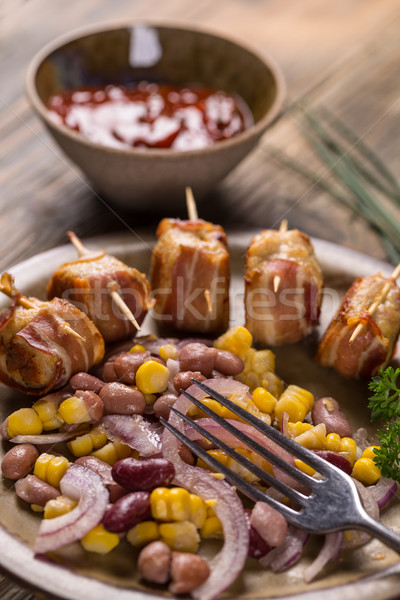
[(151, 115)]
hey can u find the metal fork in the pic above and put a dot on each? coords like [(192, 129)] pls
[(333, 503)]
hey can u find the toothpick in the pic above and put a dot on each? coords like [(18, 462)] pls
[(283, 226), (276, 283), (8, 288), (371, 310), (207, 296), (113, 288), (191, 205), (277, 279), (82, 251)]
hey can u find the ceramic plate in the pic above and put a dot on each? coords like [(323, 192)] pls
[(73, 574)]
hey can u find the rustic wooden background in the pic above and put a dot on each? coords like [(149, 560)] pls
[(344, 55)]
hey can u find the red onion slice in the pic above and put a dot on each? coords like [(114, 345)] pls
[(229, 562), (383, 491), (85, 486), (134, 431), (50, 438), (329, 551), (284, 556)]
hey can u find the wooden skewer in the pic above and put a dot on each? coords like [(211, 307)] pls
[(277, 279), (371, 310), (8, 288), (191, 205), (207, 296), (113, 288)]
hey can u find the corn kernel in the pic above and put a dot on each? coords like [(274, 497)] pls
[(212, 528), (24, 421), (348, 448), (51, 468), (264, 400), (152, 377), (58, 506), (47, 412), (369, 452), (366, 471), (107, 453), (159, 504), (237, 340), (99, 438), (181, 536), (74, 410), (81, 446), (143, 533), (333, 442), (198, 510), (296, 429), (314, 438), (37, 508), (138, 348), (100, 540), (263, 360), (295, 401), (122, 450), (179, 500), (302, 466), (168, 351)]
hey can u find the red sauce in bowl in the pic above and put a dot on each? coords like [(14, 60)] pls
[(152, 115)]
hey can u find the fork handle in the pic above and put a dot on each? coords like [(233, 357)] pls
[(376, 529)]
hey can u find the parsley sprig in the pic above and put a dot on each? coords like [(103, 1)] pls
[(385, 405)]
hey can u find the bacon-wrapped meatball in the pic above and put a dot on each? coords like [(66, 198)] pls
[(361, 338), (42, 344), (90, 282), (283, 283), (190, 275)]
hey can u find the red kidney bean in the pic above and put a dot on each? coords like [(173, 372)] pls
[(127, 512), (257, 546), (188, 571), (143, 474), (127, 363), (35, 491), (119, 399), (268, 523), (86, 382), (197, 357), (228, 363), (183, 379), (19, 461), (327, 411), (341, 462), (154, 562), (162, 406), (93, 403), (109, 373), (104, 470)]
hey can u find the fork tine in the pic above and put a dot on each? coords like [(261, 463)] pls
[(273, 434), (261, 450), (242, 460), (247, 488)]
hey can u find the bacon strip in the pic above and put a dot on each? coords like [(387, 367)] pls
[(85, 282), (191, 260), (374, 346), (288, 312), (39, 352)]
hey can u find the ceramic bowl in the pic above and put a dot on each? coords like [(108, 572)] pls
[(154, 178)]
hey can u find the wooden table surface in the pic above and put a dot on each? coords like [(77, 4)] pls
[(344, 55)]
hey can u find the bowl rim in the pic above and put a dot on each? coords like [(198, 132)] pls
[(254, 131)]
